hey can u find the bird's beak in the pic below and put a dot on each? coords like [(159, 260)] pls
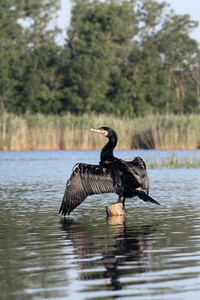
[(95, 129), (98, 130)]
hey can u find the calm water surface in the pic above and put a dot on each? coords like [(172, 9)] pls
[(152, 254)]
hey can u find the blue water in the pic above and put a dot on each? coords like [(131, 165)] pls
[(154, 253)]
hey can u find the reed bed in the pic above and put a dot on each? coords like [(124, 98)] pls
[(68, 132), (173, 162)]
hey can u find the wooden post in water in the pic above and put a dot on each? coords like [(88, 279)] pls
[(116, 209)]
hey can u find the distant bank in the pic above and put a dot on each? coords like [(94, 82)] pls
[(71, 132)]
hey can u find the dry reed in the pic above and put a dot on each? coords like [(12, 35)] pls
[(40, 132)]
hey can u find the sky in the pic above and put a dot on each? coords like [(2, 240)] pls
[(190, 7)]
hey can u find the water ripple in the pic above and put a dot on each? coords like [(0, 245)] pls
[(153, 253)]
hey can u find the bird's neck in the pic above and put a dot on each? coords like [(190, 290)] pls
[(107, 151)]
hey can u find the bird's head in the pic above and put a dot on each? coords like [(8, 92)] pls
[(106, 131)]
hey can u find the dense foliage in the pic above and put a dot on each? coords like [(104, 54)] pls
[(120, 57)]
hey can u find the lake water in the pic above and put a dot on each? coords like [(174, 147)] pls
[(154, 253)]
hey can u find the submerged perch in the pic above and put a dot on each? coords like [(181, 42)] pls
[(116, 209), (113, 175)]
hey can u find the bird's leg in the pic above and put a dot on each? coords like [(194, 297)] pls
[(120, 199), (124, 201)]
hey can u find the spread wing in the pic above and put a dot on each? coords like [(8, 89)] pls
[(138, 169), (86, 180), (138, 166)]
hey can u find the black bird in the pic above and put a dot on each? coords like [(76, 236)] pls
[(113, 175)]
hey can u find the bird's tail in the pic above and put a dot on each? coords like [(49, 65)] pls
[(142, 195)]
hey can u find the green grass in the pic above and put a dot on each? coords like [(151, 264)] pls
[(41, 132)]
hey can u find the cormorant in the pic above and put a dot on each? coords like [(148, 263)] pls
[(113, 175)]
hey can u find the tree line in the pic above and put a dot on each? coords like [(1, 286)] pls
[(120, 57)]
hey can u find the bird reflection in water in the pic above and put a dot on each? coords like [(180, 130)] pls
[(122, 250)]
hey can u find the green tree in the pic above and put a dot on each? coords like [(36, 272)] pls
[(123, 57), (159, 64), (142, 72), (178, 52), (28, 51), (99, 42), (10, 38)]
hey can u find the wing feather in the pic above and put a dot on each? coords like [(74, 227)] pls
[(137, 167), (86, 180)]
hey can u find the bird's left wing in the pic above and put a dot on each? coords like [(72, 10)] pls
[(86, 180), (137, 167)]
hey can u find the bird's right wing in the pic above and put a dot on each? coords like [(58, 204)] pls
[(86, 180)]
